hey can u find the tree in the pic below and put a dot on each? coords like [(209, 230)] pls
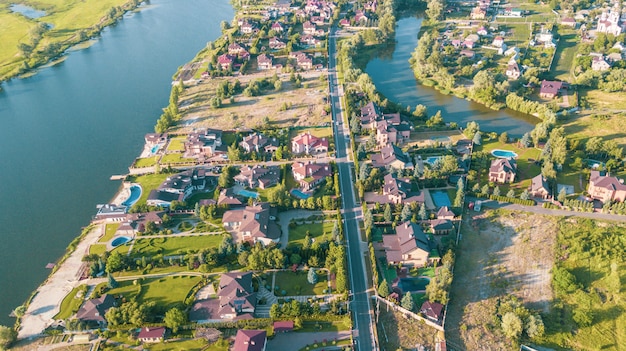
[(234, 153), (422, 212), (504, 137), (115, 262), (19, 311), (383, 289), (435, 120), (295, 259), (485, 190), (547, 170), (534, 326), (406, 212), (524, 195), (496, 191), (387, 213), (470, 129), (477, 138), (312, 276), (174, 318), (112, 283), (407, 301), (525, 141), (510, 193), (420, 111), (7, 336), (511, 325), (434, 9), (562, 195)]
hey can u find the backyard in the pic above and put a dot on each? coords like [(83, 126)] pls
[(148, 183), (174, 245), (395, 332), (317, 231), (109, 232), (296, 283), (526, 167), (166, 292)]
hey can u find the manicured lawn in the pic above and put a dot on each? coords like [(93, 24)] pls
[(97, 249), (109, 232), (565, 53), (326, 132), (148, 183), (419, 299), (330, 343), (191, 201), (427, 271), (297, 284), (146, 162), (175, 158), (122, 249), (228, 138), (323, 326), (526, 169), (174, 245), (220, 345), (156, 270), (71, 303), (166, 292), (317, 231), (176, 144), (389, 273)]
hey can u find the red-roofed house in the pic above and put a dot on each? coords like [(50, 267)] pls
[(606, 188), (408, 246), (309, 175), (307, 143), (432, 311), (550, 89), (151, 334), (309, 28), (250, 340), (264, 62), (225, 61), (502, 171), (283, 326)]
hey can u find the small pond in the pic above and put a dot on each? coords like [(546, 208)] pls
[(27, 11)]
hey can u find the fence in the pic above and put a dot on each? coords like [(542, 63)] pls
[(408, 313)]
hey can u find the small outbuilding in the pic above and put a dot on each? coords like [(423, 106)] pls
[(283, 326)]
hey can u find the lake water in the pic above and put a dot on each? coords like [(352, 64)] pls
[(66, 130), (27, 11), (393, 77)]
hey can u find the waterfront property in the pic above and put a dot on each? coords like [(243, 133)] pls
[(503, 170), (92, 311), (179, 187)]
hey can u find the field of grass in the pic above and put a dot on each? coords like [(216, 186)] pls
[(317, 231), (602, 101), (72, 302), (174, 245), (297, 284), (97, 249), (610, 128), (175, 158), (565, 53), (526, 168), (109, 232), (220, 345), (166, 292), (148, 183), (146, 162), (395, 332), (67, 17), (176, 144)]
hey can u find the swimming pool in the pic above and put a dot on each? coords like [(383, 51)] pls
[(248, 193), (119, 241), (299, 194), (413, 284), (155, 148), (503, 153), (440, 198), (432, 159), (135, 193)]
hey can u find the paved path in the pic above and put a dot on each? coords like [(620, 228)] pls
[(296, 341), (47, 301), (285, 217), (551, 212)]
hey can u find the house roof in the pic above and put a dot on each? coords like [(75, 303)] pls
[(263, 58), (444, 211), (432, 309), (607, 182), (266, 174), (283, 326), (93, 310), (151, 333), (235, 293), (249, 340), (309, 169), (227, 197), (389, 154), (255, 220), (503, 165), (538, 183), (409, 237), (441, 224), (309, 139), (550, 87)]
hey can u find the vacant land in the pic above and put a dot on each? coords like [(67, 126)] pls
[(166, 293), (395, 332), (609, 127), (565, 54), (501, 253), (316, 231), (296, 283)]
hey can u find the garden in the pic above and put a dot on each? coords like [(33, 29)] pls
[(288, 283), (174, 245)]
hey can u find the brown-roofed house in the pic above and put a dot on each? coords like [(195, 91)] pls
[(264, 62), (92, 311), (392, 156), (151, 334), (236, 295), (397, 191), (258, 176), (445, 213), (432, 311), (283, 326), (503, 170), (539, 187), (307, 143), (250, 340), (227, 197), (606, 188), (309, 175), (550, 89), (441, 226), (254, 223), (259, 143), (408, 246)]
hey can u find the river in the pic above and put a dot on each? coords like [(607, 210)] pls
[(393, 77), (66, 130)]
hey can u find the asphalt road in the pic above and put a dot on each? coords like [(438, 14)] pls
[(360, 304)]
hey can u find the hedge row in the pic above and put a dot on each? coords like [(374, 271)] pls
[(512, 200)]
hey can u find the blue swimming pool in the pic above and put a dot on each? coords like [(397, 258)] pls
[(119, 241), (299, 194), (503, 153), (155, 148), (248, 193), (413, 284), (432, 159), (440, 198), (135, 193)]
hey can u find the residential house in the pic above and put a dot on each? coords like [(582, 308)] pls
[(237, 299), (513, 12), (539, 187), (226, 61), (203, 142), (248, 27), (360, 18), (228, 198), (307, 143), (398, 191), (478, 13), (283, 326), (432, 311), (278, 27), (463, 146), (151, 334), (387, 133), (441, 226), (93, 310), (178, 187), (344, 22), (153, 139), (259, 143), (550, 89), (309, 40), (250, 340), (111, 212), (276, 44), (392, 156), (606, 188), (598, 63), (498, 41), (467, 53), (614, 57), (259, 176), (254, 223), (445, 213), (264, 62), (609, 23), (309, 175), (568, 22), (236, 49), (503, 170), (408, 246), (137, 222), (303, 60), (309, 28), (482, 31), (512, 70)]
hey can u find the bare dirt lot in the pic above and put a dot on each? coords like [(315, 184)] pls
[(500, 253), (305, 106), (396, 332)]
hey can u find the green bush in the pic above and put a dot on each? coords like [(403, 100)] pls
[(512, 200)]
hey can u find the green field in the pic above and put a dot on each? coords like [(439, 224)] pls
[(148, 183), (317, 231), (176, 144), (565, 53), (146, 162), (297, 284), (97, 249), (173, 245), (109, 232), (175, 158), (165, 292), (72, 302)]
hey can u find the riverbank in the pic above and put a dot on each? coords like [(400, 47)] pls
[(30, 43)]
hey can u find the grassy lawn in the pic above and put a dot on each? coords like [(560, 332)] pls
[(109, 232), (331, 343), (389, 273), (565, 53), (610, 127), (220, 345), (156, 270), (427, 271), (317, 231), (297, 284), (146, 162), (148, 183), (174, 245), (166, 292), (326, 132), (122, 249), (177, 144), (419, 299), (526, 169), (175, 158), (97, 249), (601, 100), (323, 326), (72, 302)]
